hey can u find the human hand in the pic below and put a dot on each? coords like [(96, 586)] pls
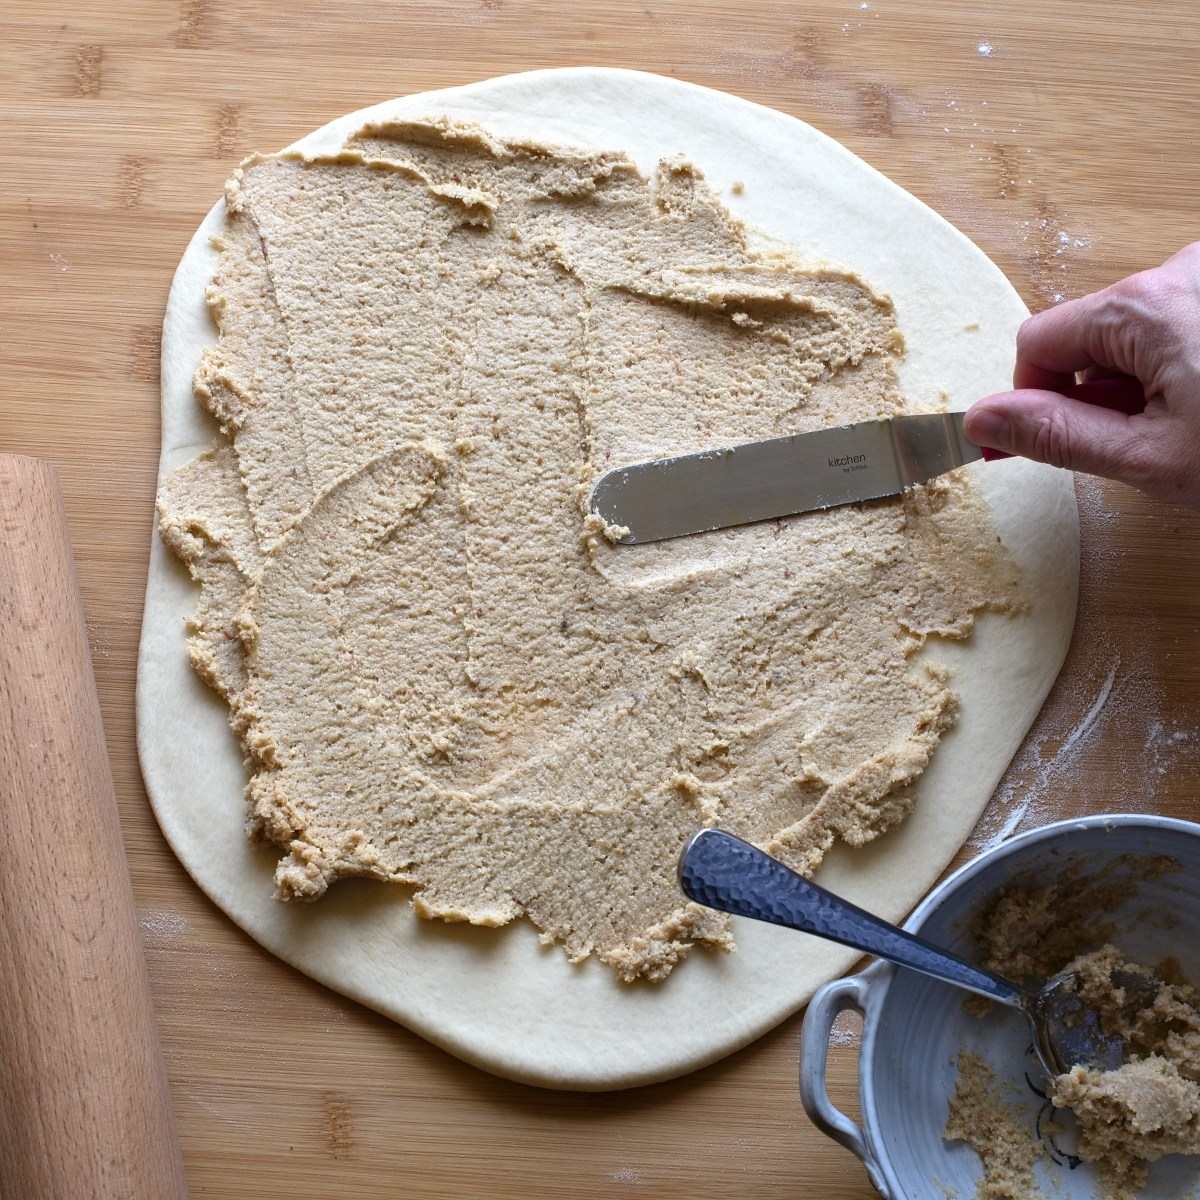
[(1135, 415)]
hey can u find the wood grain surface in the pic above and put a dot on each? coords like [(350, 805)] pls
[(1061, 138)]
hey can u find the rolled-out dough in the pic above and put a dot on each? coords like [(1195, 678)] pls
[(498, 999)]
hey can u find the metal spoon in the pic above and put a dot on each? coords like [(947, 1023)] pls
[(723, 872)]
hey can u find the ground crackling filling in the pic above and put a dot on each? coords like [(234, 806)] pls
[(443, 673), (1127, 1117)]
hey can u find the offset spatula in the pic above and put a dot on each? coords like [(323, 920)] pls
[(757, 481)]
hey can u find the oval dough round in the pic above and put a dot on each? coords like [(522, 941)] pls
[(496, 997)]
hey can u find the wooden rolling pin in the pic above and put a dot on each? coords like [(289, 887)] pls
[(85, 1113)]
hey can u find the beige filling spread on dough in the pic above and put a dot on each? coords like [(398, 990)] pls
[(1128, 1117), (444, 674)]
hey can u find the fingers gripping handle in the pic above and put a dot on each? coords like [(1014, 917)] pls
[(723, 872), (823, 1010), (1122, 394)]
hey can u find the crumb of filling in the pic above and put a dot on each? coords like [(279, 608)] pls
[(1128, 1117)]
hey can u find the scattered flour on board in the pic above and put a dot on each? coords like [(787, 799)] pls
[(1020, 795), (863, 7), (162, 923), (625, 1175), (847, 1029), (97, 642), (1162, 744), (996, 140), (1106, 713), (1054, 252)]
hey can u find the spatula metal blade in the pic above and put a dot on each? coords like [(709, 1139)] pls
[(758, 481)]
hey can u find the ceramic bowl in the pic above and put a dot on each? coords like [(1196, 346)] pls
[(914, 1027)]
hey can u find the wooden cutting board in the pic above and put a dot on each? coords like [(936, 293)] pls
[(1061, 138)]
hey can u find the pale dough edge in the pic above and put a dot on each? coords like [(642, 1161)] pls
[(498, 999)]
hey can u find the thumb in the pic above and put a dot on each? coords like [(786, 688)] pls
[(1051, 428)]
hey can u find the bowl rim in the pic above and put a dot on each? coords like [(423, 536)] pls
[(1030, 837), (878, 976)]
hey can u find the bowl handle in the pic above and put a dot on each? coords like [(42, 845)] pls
[(823, 1010)]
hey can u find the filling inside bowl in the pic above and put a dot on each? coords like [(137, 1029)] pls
[(1123, 1119)]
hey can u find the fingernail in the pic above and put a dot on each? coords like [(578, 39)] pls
[(986, 427)]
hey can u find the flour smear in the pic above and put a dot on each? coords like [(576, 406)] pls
[(1105, 723)]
